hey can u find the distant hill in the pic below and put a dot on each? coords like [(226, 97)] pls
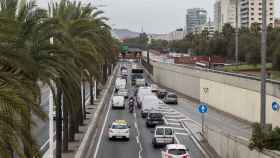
[(125, 33)]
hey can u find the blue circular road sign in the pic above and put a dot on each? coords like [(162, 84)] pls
[(275, 106), (202, 108)]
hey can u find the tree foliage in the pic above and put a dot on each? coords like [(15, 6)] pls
[(82, 44)]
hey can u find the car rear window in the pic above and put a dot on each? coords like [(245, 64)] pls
[(168, 131), (172, 96), (156, 115), (160, 131), (177, 151), (119, 126)]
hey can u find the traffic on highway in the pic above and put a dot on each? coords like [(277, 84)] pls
[(143, 122)]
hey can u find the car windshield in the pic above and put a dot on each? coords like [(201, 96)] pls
[(177, 151), (160, 131), (119, 127), (168, 131)]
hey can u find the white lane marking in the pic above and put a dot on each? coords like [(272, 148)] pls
[(184, 134), (138, 137), (102, 130), (176, 139), (173, 123)]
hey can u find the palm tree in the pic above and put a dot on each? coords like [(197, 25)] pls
[(19, 92)]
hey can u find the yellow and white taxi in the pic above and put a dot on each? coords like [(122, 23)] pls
[(119, 129)]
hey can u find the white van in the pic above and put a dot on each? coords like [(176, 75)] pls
[(118, 102), (150, 102), (163, 135), (143, 91), (120, 83)]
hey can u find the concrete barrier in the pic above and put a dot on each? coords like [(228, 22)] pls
[(84, 147), (238, 95), (228, 146)]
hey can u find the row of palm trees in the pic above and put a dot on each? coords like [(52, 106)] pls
[(80, 49)]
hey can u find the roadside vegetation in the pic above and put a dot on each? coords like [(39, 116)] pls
[(269, 139), (82, 51)]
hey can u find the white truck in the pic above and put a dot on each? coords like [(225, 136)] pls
[(120, 83)]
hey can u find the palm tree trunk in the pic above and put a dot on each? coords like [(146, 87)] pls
[(84, 98), (91, 90), (80, 116), (28, 147), (72, 128), (58, 123), (65, 126)]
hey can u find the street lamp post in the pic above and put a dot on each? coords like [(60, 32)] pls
[(51, 102), (263, 67)]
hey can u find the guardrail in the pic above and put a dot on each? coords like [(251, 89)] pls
[(84, 147)]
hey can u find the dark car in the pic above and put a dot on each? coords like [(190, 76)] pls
[(154, 118), (162, 93)]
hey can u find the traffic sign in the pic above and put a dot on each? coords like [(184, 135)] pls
[(202, 108), (275, 106), (124, 48)]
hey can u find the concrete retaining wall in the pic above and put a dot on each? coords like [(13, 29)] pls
[(231, 93), (233, 147)]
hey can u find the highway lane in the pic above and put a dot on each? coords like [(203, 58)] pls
[(144, 148), (213, 118)]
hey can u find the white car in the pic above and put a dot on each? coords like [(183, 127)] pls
[(175, 151), (119, 129), (118, 102), (163, 135), (123, 92), (154, 88)]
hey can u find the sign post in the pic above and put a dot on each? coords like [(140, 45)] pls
[(203, 108)]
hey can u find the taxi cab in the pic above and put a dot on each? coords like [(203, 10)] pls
[(119, 129)]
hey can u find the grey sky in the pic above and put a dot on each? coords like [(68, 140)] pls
[(155, 16)]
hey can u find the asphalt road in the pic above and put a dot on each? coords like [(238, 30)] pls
[(140, 143)]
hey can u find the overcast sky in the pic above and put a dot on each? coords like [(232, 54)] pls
[(154, 16)]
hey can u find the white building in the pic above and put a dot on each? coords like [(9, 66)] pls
[(225, 12), (251, 12), (178, 34)]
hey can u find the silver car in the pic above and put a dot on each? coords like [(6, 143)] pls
[(171, 98)]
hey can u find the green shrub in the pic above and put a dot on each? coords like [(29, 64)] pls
[(268, 138)]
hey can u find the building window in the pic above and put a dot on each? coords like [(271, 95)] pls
[(260, 8), (271, 3), (252, 14), (260, 18), (260, 13), (252, 3), (271, 19), (271, 8), (271, 13), (252, 19), (252, 8), (260, 3)]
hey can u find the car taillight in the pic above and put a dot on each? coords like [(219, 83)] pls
[(186, 156)]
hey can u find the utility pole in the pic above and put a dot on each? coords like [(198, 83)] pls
[(236, 32), (263, 67)]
